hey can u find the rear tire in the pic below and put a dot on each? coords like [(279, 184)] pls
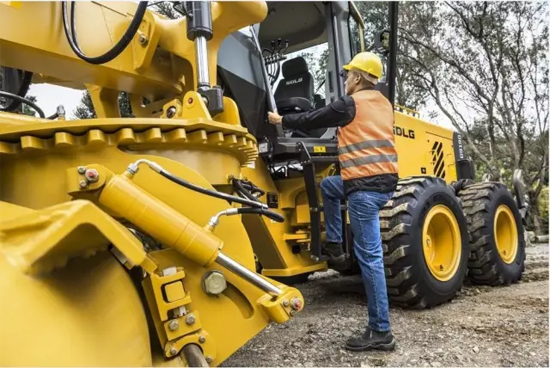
[(423, 268), (497, 249)]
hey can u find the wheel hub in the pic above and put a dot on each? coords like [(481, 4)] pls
[(506, 234), (442, 242)]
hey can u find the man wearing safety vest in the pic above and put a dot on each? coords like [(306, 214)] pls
[(368, 166)]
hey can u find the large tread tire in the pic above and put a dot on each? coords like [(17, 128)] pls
[(409, 281), (485, 266)]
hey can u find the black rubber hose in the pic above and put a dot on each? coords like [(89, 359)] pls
[(252, 188), (238, 185), (23, 100), (209, 192), (116, 49), (260, 211), (23, 89)]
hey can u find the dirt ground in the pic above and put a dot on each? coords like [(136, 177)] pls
[(483, 326)]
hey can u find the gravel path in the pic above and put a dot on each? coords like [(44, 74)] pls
[(483, 326)]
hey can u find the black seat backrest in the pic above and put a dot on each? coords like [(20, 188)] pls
[(297, 82)]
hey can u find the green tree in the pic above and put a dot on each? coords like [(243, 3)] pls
[(85, 110), (484, 65)]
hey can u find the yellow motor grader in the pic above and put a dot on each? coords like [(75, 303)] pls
[(169, 238)]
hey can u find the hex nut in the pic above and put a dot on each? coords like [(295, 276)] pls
[(285, 303), (190, 319), (83, 184), (202, 339), (214, 283), (208, 359), (173, 351), (173, 325), (296, 304), (92, 176), (81, 170)]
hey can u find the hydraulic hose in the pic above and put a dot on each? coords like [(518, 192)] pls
[(133, 169), (23, 100), (241, 189), (261, 211), (116, 49), (211, 193)]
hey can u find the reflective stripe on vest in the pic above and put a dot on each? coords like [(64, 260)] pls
[(366, 144)]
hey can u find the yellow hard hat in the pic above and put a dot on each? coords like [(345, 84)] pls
[(366, 62)]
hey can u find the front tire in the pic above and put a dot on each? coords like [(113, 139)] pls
[(425, 240)]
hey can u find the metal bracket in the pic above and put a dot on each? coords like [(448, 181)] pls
[(313, 201)]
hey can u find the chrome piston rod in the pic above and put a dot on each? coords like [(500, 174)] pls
[(246, 274)]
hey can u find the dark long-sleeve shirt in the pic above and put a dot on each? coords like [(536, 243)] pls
[(338, 114)]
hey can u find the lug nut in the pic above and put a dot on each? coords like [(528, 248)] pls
[(83, 184), (202, 339), (174, 325), (171, 112), (190, 319), (92, 175), (81, 169)]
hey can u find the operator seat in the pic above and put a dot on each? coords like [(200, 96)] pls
[(295, 91)]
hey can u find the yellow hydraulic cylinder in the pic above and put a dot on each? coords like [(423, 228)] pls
[(125, 199)]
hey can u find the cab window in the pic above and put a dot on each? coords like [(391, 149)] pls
[(354, 37)]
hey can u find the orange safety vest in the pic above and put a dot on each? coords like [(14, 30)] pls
[(366, 145)]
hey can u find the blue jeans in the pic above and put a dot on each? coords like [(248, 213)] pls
[(363, 209)]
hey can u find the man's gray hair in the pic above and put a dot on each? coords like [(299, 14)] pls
[(366, 76)]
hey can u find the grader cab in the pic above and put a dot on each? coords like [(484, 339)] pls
[(170, 238)]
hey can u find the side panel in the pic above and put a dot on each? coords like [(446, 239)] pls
[(424, 148)]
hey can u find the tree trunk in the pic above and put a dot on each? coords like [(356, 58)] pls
[(535, 215)]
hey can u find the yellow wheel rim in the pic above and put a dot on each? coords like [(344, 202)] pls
[(442, 242), (506, 234)]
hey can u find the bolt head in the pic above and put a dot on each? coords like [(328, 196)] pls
[(169, 271), (173, 351), (190, 319), (83, 183), (296, 304), (143, 39), (214, 283), (285, 303), (190, 100), (92, 175), (81, 169), (174, 325), (202, 339), (208, 359), (171, 112)]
